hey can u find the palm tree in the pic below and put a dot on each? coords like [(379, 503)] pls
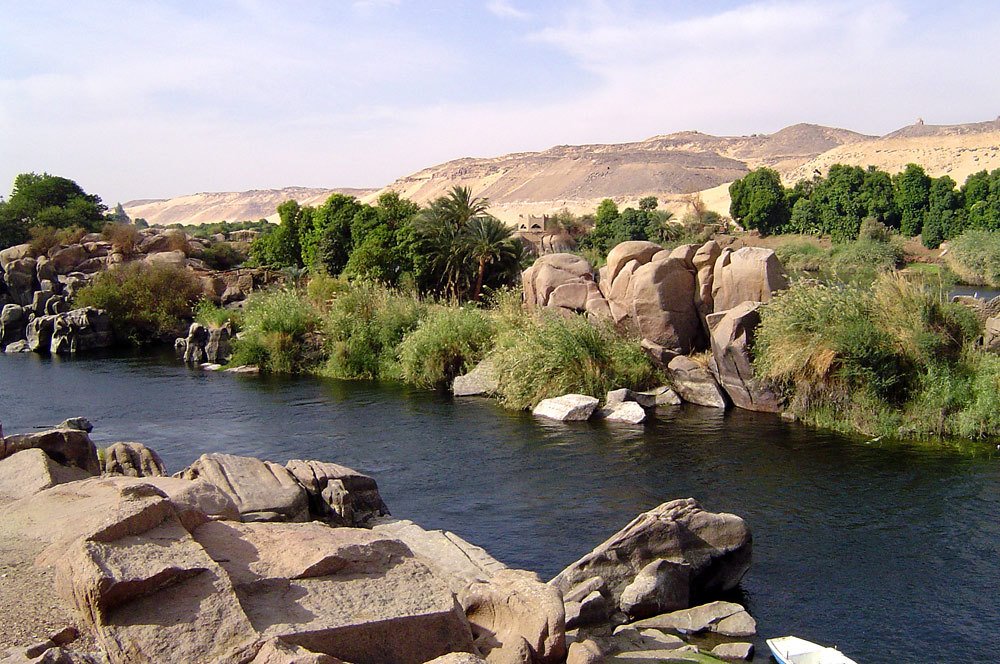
[(488, 242), (458, 207)]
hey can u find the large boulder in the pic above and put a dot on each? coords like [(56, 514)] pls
[(639, 251), (29, 471), (338, 493), (15, 253), (12, 324), (132, 460), (63, 260), (481, 381), (551, 271), (695, 383), (732, 336), (68, 447), (38, 334), (660, 302), (19, 276), (750, 273), (512, 607), (345, 592), (175, 258), (723, 618), (567, 408), (262, 491), (717, 549), (81, 330)]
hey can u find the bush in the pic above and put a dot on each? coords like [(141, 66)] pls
[(862, 261), (551, 356), (975, 257), (145, 302), (364, 326), (44, 238), (124, 238), (222, 256), (322, 289), (276, 325), (802, 254), (212, 315), (448, 342)]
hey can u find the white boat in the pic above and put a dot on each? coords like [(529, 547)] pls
[(793, 650)]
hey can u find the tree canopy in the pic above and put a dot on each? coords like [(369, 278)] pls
[(47, 200)]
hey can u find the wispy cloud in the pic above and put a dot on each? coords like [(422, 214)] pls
[(504, 9)]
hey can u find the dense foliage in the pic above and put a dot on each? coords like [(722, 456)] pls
[(47, 201), (975, 257), (910, 201), (145, 302), (612, 227)]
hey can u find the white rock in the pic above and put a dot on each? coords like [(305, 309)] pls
[(567, 408), (629, 412)]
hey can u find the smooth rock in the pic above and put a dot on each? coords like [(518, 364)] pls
[(750, 273), (78, 423), (260, 489), (732, 337), (660, 303), (628, 412), (694, 383), (663, 396), (67, 447), (662, 585), (29, 471), (551, 271), (12, 324), (515, 605), (639, 251), (567, 408), (590, 610), (736, 651), (481, 381), (723, 618), (718, 548), (195, 501)]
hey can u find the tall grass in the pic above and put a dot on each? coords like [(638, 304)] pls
[(975, 257), (364, 327), (547, 356), (145, 302), (212, 315), (893, 359), (450, 341), (276, 325)]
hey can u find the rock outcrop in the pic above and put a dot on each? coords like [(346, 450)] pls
[(750, 273), (706, 554), (338, 493), (732, 335), (132, 460), (67, 447)]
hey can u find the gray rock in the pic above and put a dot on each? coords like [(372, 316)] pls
[(17, 347), (78, 423), (736, 651), (38, 334), (81, 330), (12, 324), (218, 348), (663, 396), (339, 493), (723, 618), (628, 412), (194, 346), (567, 408), (19, 276), (662, 585), (590, 610), (481, 381), (694, 383)]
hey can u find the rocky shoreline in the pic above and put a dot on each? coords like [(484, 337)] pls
[(235, 559)]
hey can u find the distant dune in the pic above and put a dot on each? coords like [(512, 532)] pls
[(670, 167)]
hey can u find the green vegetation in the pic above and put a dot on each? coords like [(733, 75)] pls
[(276, 325), (222, 256), (212, 315), (47, 201), (547, 356), (612, 227), (890, 360), (206, 231), (860, 262), (449, 342), (44, 238), (910, 202), (145, 302), (975, 257)]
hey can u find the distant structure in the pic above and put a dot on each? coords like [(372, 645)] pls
[(919, 122), (541, 235)]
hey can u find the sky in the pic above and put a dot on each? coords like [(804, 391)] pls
[(145, 99)]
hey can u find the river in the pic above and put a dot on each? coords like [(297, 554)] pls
[(890, 551)]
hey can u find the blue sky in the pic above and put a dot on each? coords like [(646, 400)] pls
[(157, 99)]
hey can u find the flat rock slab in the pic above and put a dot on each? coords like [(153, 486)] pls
[(68, 447), (29, 471), (567, 408), (724, 618), (262, 491)]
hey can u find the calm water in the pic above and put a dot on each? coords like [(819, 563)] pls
[(891, 552)]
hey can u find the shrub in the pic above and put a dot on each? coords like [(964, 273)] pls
[(365, 325), (447, 343), (124, 238), (322, 289), (862, 261), (549, 356), (222, 256), (44, 238), (145, 302), (276, 328), (975, 257), (212, 315), (803, 254)]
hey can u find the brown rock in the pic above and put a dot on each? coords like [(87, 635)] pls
[(694, 383), (724, 618), (261, 490), (732, 335), (640, 251), (750, 273), (29, 471), (571, 295), (704, 264), (133, 460), (718, 548), (65, 260), (339, 492), (551, 271), (618, 299), (273, 651), (515, 605), (660, 300), (585, 652), (662, 585), (195, 501), (67, 447)]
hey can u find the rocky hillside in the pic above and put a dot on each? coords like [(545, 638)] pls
[(210, 207), (670, 166)]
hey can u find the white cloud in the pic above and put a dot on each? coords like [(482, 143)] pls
[(504, 9)]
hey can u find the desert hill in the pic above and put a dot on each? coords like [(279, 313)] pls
[(210, 207), (670, 166)]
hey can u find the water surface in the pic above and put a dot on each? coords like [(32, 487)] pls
[(892, 552)]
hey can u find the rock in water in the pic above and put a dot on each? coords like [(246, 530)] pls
[(481, 381), (628, 412), (567, 408), (717, 547), (694, 383), (732, 335), (263, 491), (338, 492)]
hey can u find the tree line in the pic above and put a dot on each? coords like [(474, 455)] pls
[(910, 201)]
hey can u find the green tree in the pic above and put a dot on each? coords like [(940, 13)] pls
[(489, 242), (648, 203), (47, 200), (911, 189), (758, 201), (877, 197), (330, 242)]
